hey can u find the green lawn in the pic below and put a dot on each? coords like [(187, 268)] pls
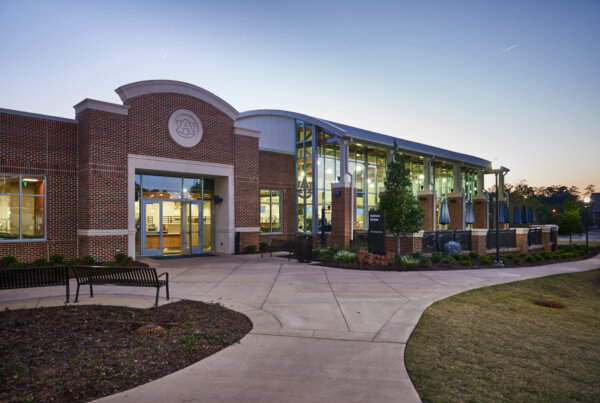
[(495, 344)]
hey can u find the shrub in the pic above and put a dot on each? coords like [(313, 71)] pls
[(126, 261), (250, 248), (389, 259), (510, 256), (72, 262), (457, 256), (263, 245), (57, 259), (363, 257), (473, 254), (465, 262), (17, 265), (448, 260), (87, 260), (547, 255), (529, 258), (345, 256), (7, 260), (425, 262), (437, 257), (417, 255), (485, 260), (40, 262), (119, 257), (538, 257), (109, 264), (504, 261), (316, 252), (408, 262), (327, 256)]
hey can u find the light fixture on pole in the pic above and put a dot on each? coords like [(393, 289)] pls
[(498, 169), (587, 200)]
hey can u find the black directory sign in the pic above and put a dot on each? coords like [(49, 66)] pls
[(376, 235)]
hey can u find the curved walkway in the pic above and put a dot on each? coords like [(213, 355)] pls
[(320, 334)]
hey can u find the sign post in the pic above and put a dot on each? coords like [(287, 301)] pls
[(376, 234)]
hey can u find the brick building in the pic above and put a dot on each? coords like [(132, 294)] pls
[(174, 169)]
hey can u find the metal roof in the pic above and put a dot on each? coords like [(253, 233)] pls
[(373, 137)]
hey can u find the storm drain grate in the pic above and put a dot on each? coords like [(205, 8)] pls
[(150, 328), (550, 303)]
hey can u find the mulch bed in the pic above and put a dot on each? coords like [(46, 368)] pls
[(456, 266), (81, 353)]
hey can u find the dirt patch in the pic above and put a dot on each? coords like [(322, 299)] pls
[(80, 353)]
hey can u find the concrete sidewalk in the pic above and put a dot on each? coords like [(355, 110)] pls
[(319, 335)]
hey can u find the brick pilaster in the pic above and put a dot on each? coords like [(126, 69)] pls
[(480, 211), (456, 208), (340, 214)]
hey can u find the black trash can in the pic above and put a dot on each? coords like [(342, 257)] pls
[(305, 246)]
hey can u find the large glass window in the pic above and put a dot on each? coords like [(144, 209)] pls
[(328, 169), (304, 177), (22, 207), (368, 165), (469, 179), (271, 202), (417, 172)]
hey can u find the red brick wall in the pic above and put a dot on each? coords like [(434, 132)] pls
[(30, 145), (276, 171), (340, 217), (247, 210), (456, 208), (480, 211), (427, 203)]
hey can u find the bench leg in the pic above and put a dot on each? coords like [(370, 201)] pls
[(167, 285), (68, 293), (156, 302), (91, 292), (77, 293)]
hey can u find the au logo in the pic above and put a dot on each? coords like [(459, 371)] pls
[(304, 189), (185, 128)]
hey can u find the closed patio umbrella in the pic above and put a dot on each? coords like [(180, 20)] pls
[(501, 217), (530, 216), (506, 213), (469, 214), (444, 213), (517, 216), (524, 215)]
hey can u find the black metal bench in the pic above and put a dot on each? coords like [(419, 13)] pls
[(280, 245), (121, 276), (30, 277)]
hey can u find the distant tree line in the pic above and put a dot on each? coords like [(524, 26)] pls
[(550, 203)]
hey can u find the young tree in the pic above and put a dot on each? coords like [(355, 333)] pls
[(570, 222), (403, 214)]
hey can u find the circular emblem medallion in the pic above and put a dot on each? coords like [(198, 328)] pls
[(185, 128)]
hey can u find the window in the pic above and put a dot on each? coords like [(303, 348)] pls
[(304, 177), (270, 211), (22, 207)]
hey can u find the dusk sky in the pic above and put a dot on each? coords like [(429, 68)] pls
[(517, 81)]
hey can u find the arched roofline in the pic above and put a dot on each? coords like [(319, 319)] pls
[(328, 127), (139, 88)]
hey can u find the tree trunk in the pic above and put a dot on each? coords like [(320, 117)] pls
[(570, 241), (398, 244)]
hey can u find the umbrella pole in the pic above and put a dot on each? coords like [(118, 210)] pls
[(497, 223)]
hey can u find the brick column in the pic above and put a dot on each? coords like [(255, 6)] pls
[(481, 212), (411, 243), (102, 179), (340, 214), (522, 245), (456, 208), (546, 238), (478, 240), (554, 234), (426, 200)]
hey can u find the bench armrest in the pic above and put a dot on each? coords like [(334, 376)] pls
[(164, 274)]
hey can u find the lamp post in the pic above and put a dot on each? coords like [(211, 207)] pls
[(497, 170), (586, 200)]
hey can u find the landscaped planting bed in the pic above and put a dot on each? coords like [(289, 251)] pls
[(80, 353), (362, 260)]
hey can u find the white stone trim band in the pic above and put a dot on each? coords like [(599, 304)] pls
[(139, 88), (247, 229), (242, 131), (102, 232), (101, 106)]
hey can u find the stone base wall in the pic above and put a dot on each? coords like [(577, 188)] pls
[(249, 238), (102, 248)]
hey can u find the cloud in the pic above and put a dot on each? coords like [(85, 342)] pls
[(508, 49)]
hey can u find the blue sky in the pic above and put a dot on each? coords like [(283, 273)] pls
[(518, 81)]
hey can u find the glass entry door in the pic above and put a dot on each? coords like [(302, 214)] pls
[(151, 228), (193, 229)]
